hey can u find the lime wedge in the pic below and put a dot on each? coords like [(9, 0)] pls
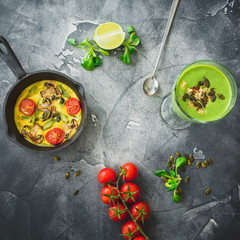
[(109, 35)]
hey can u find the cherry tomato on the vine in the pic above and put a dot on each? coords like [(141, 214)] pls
[(117, 212), (130, 227), (140, 211), (130, 192), (109, 192), (107, 175), (139, 238), (129, 171)]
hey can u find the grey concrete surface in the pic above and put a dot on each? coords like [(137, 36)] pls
[(123, 125)]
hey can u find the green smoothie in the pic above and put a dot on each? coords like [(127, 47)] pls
[(203, 92)]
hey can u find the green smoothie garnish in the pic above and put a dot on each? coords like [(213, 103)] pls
[(199, 96)]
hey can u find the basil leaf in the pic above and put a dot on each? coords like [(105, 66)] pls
[(130, 29), (105, 53), (96, 61), (87, 61), (180, 161), (72, 41), (173, 186), (131, 49), (162, 173), (172, 173), (136, 41), (176, 198), (126, 56), (85, 42)]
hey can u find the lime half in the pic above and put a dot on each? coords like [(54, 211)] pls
[(109, 35)]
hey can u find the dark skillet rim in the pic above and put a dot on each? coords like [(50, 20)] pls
[(51, 149)]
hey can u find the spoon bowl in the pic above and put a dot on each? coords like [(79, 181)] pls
[(150, 86)]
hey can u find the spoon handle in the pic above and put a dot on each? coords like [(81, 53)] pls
[(169, 24)]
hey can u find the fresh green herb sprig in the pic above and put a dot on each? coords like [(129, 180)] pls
[(173, 178), (130, 45), (91, 59)]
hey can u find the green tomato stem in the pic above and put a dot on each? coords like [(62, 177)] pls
[(125, 205)]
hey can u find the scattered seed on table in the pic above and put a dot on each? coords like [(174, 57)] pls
[(198, 164), (186, 156), (172, 159), (178, 154), (67, 175), (187, 179), (206, 162), (189, 162), (77, 173), (180, 190), (169, 163), (208, 191), (203, 165), (210, 161), (191, 158), (57, 158), (75, 192), (164, 179), (172, 168), (175, 159)]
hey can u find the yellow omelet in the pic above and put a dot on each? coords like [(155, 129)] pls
[(50, 112)]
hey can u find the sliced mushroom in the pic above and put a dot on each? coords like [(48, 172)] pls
[(48, 93), (26, 130), (73, 124), (49, 84)]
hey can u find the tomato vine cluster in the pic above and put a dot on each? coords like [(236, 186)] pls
[(119, 198)]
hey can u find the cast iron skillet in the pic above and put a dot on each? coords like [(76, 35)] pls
[(24, 80)]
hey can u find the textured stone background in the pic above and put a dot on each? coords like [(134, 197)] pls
[(123, 125)]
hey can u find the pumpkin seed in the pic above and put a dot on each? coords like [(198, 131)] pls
[(76, 192), (221, 96), (200, 83), (77, 173), (169, 163), (198, 164), (192, 98), (185, 97), (206, 162), (172, 168), (164, 179), (189, 162), (213, 98), (203, 165), (211, 93), (208, 191), (57, 158), (205, 98), (172, 159), (67, 175), (180, 190), (186, 156), (183, 168), (206, 82), (187, 179), (199, 105), (210, 161), (191, 158), (178, 154), (203, 103), (46, 115)]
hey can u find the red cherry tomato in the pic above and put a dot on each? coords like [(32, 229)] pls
[(27, 107), (129, 227), (140, 211), (139, 238), (129, 171), (134, 192), (115, 210), (106, 192), (73, 106), (55, 136), (107, 175)]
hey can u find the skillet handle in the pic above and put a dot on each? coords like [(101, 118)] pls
[(10, 59)]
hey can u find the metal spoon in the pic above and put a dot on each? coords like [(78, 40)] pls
[(150, 85)]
